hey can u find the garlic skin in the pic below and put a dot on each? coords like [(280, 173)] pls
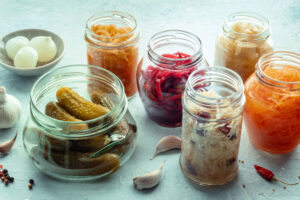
[(10, 109), (167, 143), (148, 180)]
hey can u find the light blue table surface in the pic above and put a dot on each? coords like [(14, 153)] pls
[(205, 19)]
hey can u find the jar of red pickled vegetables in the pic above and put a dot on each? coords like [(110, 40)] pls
[(244, 38), (213, 104), (112, 43), (272, 110), (171, 57)]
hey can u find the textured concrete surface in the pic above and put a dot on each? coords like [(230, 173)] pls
[(204, 18)]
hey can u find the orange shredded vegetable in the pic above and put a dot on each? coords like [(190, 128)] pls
[(272, 116), (116, 53)]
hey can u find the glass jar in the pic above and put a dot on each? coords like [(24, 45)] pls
[(112, 43), (272, 110), (66, 150), (213, 104), (171, 57), (245, 37)]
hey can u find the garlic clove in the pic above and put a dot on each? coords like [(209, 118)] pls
[(148, 180), (5, 147), (10, 109), (167, 143)]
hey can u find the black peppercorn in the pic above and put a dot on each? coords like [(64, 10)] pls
[(6, 181), (31, 181), (30, 186), (11, 179), (5, 171)]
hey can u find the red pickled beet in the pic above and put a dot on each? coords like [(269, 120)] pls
[(203, 114), (178, 55), (161, 88), (224, 129)]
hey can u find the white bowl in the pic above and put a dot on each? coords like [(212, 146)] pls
[(41, 68)]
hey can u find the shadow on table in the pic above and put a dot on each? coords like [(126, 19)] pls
[(278, 160)]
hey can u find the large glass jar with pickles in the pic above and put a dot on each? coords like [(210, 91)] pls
[(112, 43), (79, 127), (244, 38)]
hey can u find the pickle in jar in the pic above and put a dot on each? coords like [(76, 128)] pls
[(54, 110), (77, 106)]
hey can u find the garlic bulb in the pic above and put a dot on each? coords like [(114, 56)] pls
[(26, 57), (45, 47), (10, 109), (13, 45)]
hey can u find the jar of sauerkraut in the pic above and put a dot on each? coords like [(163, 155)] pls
[(112, 43), (213, 104), (272, 111), (244, 38)]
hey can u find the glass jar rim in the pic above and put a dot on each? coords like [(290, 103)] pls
[(122, 16), (237, 98), (239, 83), (269, 57), (250, 15), (198, 54), (33, 101)]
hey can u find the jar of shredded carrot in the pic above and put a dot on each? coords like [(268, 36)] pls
[(112, 43), (244, 38), (272, 110)]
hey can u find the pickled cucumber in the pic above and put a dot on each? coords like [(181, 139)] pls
[(99, 98), (108, 162), (78, 106), (55, 111), (92, 144), (54, 144)]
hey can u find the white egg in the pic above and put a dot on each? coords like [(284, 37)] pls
[(45, 47), (13, 45), (26, 57)]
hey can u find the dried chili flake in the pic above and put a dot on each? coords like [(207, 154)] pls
[(269, 175)]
